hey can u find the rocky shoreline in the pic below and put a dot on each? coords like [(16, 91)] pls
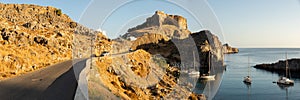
[(280, 66)]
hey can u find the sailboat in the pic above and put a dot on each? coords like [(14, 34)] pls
[(285, 80), (208, 76), (194, 72), (247, 79)]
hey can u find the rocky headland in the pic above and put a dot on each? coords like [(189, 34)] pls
[(293, 65), (229, 50)]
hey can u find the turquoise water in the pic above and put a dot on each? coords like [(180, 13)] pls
[(262, 88)]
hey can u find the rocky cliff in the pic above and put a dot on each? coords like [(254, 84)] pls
[(229, 50), (161, 23), (160, 18), (293, 64), (33, 37), (203, 41), (206, 43)]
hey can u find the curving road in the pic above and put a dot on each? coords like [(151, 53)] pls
[(56, 82)]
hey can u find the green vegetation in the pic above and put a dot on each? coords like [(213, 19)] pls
[(58, 12)]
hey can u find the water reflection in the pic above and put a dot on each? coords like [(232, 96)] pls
[(294, 75), (285, 88), (248, 85)]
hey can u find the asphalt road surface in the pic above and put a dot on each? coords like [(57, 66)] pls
[(56, 82)]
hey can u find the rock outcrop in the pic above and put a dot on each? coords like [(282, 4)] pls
[(293, 65), (33, 37), (160, 23), (229, 50), (160, 18)]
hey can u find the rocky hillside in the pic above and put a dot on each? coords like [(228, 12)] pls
[(293, 64), (138, 75), (229, 50), (33, 37)]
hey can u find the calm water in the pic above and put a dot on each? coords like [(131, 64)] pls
[(262, 88)]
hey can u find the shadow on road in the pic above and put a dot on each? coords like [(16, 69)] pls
[(64, 87), (56, 82)]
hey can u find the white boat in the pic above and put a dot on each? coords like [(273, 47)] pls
[(285, 80), (194, 72), (248, 79), (208, 76)]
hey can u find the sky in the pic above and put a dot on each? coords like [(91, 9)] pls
[(260, 23), (242, 24)]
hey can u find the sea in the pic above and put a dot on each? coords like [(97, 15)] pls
[(231, 86)]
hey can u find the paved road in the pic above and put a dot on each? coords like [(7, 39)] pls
[(57, 82)]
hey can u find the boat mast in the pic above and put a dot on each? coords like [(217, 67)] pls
[(286, 65), (248, 67)]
